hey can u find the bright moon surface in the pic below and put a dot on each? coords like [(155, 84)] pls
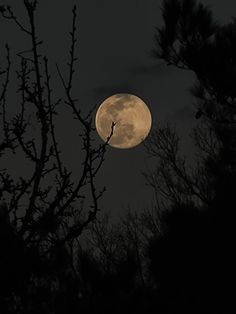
[(132, 120)]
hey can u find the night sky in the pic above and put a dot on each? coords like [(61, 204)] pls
[(115, 42)]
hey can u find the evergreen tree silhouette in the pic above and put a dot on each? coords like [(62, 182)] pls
[(193, 261), (176, 257)]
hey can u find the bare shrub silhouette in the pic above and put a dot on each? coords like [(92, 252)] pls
[(44, 211), (176, 257)]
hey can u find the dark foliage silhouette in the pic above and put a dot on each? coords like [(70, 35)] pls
[(57, 255), (193, 261)]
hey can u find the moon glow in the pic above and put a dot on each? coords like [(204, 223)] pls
[(132, 120)]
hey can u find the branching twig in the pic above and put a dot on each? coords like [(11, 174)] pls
[(55, 145), (11, 16)]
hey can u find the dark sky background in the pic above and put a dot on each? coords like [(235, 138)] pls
[(115, 40)]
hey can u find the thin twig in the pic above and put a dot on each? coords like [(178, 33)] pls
[(57, 153)]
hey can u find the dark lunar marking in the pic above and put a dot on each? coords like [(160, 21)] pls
[(125, 97), (129, 98), (126, 131), (105, 124), (116, 107), (112, 112), (119, 104), (129, 131), (132, 104)]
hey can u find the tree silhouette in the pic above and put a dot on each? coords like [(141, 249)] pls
[(44, 211), (192, 261), (57, 256)]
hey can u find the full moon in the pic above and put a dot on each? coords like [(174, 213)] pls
[(131, 117)]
